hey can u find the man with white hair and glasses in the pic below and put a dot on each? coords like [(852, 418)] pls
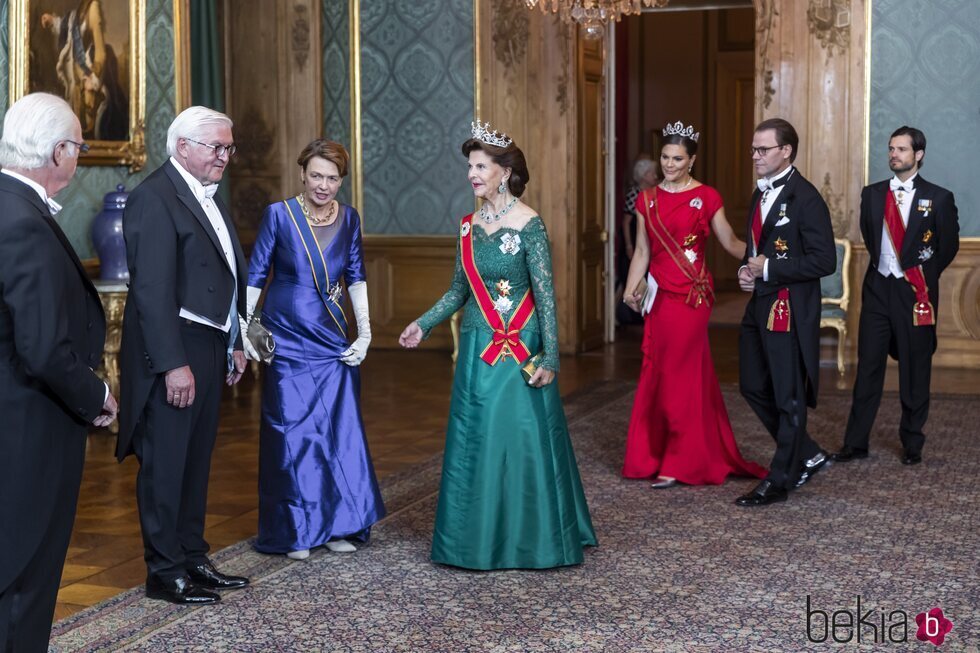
[(52, 332), (181, 339)]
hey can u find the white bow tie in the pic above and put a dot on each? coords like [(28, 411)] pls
[(53, 207), (766, 184), (897, 185), (209, 191)]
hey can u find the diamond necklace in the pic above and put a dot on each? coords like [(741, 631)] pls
[(677, 190), (490, 217)]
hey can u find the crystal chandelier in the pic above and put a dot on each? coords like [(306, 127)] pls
[(592, 15)]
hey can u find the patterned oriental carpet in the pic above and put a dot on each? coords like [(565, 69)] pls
[(676, 570)]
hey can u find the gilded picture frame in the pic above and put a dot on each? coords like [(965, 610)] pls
[(92, 53)]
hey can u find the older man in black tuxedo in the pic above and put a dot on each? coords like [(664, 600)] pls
[(790, 247), (52, 331), (181, 339), (911, 229)]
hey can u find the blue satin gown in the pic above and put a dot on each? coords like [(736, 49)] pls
[(316, 480)]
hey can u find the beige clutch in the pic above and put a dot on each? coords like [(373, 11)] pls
[(261, 339)]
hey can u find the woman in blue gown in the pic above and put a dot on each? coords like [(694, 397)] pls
[(316, 482)]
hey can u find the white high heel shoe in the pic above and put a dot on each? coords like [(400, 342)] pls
[(340, 546), (302, 554)]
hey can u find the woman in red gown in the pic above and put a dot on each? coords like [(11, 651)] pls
[(679, 430)]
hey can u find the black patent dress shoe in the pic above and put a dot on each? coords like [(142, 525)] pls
[(811, 466), (180, 590), (848, 453), (911, 458), (207, 576), (763, 494)]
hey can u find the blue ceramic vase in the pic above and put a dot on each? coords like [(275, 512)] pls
[(107, 236)]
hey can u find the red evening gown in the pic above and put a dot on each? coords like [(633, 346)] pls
[(679, 426)]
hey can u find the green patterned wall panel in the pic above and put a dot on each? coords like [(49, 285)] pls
[(82, 200), (925, 61), (335, 30), (416, 108)]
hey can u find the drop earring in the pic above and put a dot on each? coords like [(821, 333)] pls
[(502, 188)]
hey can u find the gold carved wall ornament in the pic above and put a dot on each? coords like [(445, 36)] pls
[(253, 152), (765, 28), (511, 30), (830, 22), (99, 71), (567, 38), (300, 31), (835, 203)]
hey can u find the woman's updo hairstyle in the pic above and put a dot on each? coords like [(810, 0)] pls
[(679, 134), (689, 144), (332, 151), (506, 157)]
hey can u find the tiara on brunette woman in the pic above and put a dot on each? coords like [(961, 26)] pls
[(679, 129), (481, 132)]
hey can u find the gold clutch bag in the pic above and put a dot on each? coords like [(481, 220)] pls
[(261, 339), (530, 366)]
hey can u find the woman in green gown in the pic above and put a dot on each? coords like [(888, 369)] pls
[(511, 496)]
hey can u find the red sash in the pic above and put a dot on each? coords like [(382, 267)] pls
[(700, 292), (922, 311), (779, 312), (506, 339)]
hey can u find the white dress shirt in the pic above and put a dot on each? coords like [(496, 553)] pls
[(53, 206), (768, 200), (888, 263), (203, 195)]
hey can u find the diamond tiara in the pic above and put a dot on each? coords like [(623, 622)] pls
[(481, 132), (679, 129)]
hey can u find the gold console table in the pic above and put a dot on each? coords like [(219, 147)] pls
[(113, 296)]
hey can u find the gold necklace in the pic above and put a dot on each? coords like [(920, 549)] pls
[(312, 219)]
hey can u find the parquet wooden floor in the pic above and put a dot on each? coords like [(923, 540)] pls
[(405, 399)]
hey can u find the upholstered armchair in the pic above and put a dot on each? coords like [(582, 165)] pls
[(835, 293)]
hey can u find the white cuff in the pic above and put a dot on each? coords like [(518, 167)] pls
[(765, 270)]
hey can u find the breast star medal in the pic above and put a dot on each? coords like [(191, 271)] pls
[(781, 245), (927, 236), (510, 244), (503, 288), (690, 239), (925, 254)]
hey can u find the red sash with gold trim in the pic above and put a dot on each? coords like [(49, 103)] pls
[(923, 313), (779, 312), (506, 340), (700, 291)]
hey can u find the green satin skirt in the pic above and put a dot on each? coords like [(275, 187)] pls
[(511, 495)]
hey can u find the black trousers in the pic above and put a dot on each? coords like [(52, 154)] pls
[(886, 327), (27, 604), (173, 446), (772, 379)]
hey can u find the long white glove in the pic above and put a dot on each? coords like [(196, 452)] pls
[(359, 299), (251, 301)]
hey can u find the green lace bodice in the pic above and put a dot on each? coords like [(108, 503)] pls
[(522, 258)]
